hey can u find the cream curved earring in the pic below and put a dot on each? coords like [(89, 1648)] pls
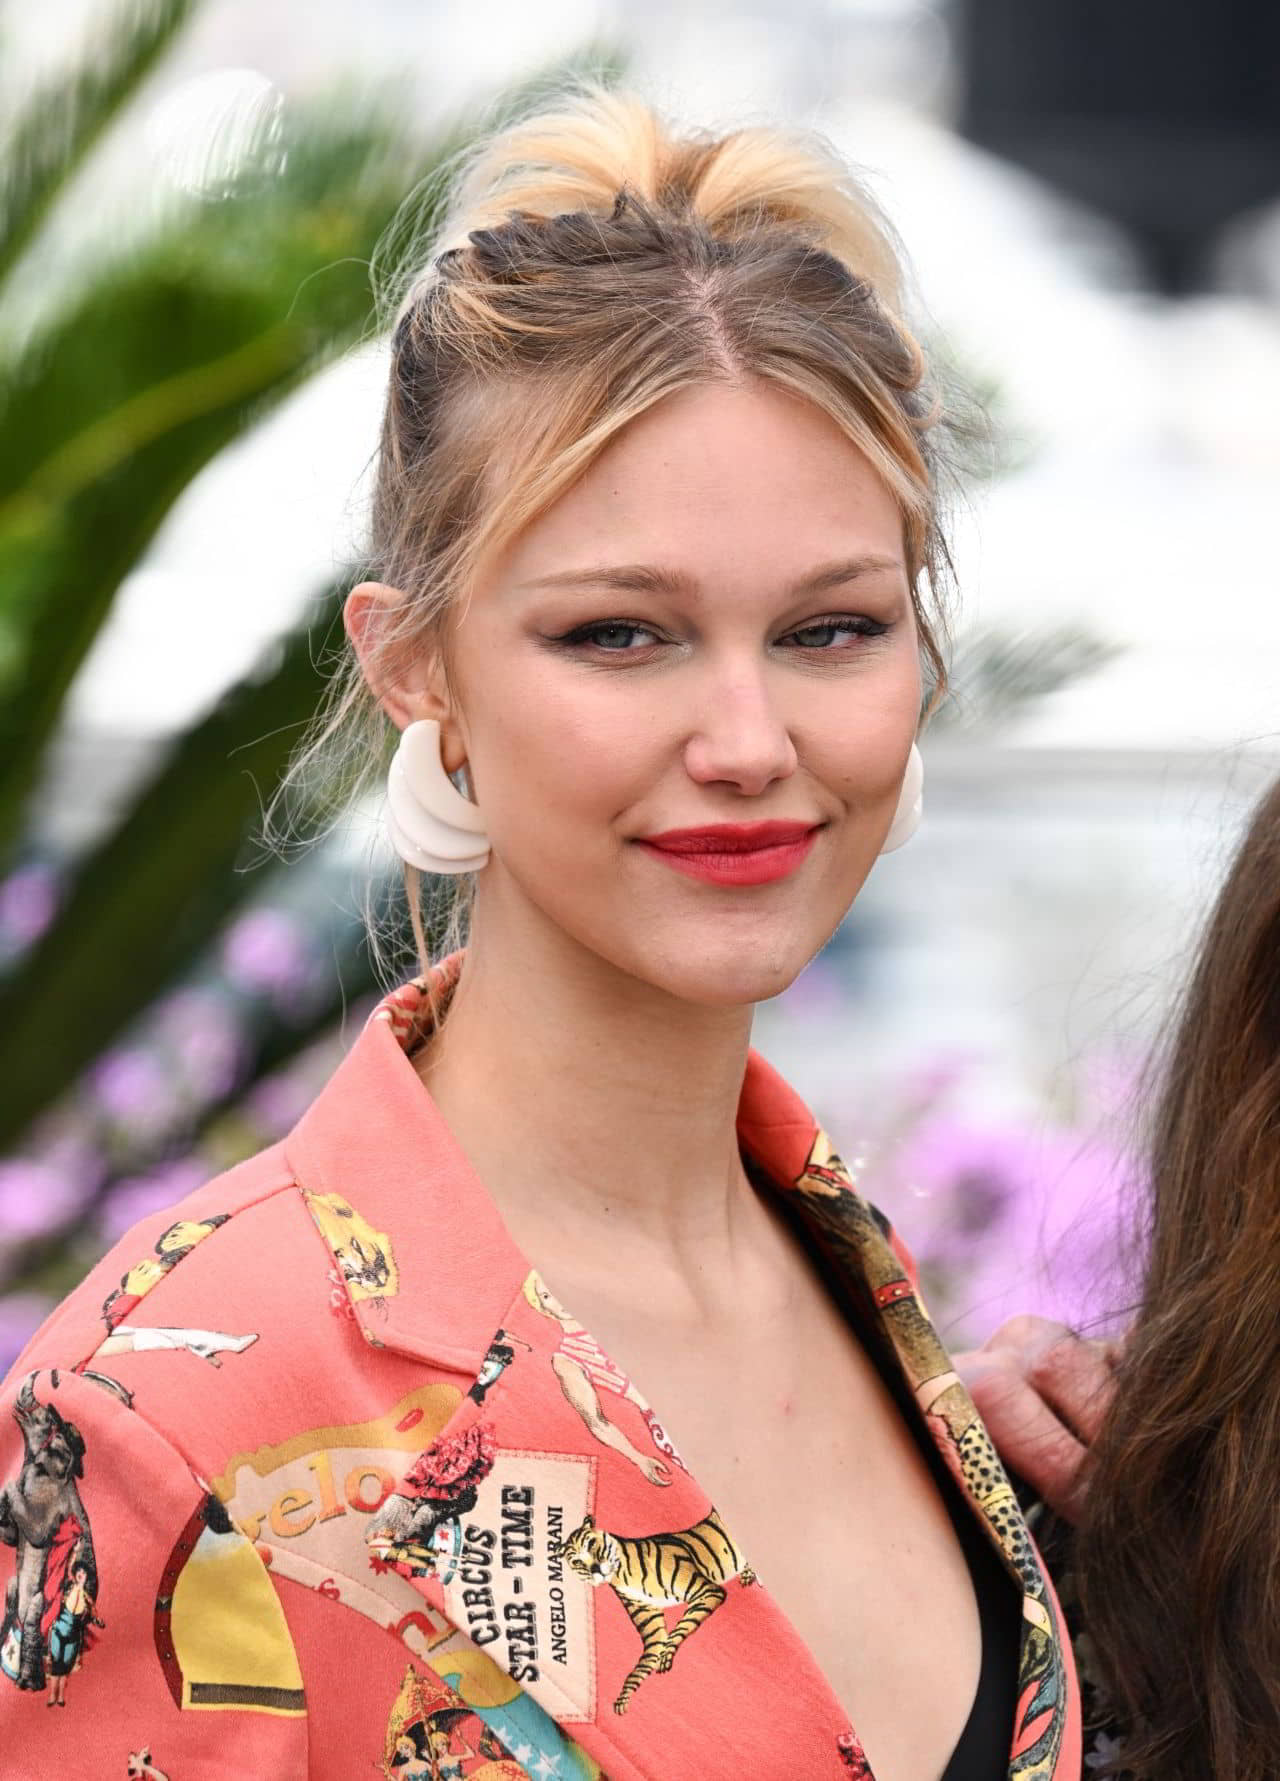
[(906, 818), (431, 824)]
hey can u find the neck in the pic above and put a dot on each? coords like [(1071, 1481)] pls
[(580, 1093)]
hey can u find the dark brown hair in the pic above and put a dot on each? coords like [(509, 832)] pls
[(1180, 1547)]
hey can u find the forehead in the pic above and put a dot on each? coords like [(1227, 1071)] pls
[(723, 482)]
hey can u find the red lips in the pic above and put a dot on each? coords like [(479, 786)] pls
[(730, 837), (734, 853)]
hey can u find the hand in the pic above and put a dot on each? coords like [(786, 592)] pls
[(1043, 1393)]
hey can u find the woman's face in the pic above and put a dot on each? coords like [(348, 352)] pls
[(713, 627)]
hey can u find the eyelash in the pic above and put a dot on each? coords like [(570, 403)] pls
[(584, 635)]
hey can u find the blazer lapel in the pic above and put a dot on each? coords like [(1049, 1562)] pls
[(876, 1278)]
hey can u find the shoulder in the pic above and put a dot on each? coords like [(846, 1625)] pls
[(179, 1256), (236, 1286)]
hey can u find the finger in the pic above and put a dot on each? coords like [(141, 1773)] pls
[(1027, 1333), (1074, 1374), (1028, 1435), (1077, 1380)]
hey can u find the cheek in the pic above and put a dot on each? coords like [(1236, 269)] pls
[(858, 742), (545, 749)]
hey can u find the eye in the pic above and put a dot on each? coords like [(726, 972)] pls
[(826, 633), (618, 636)]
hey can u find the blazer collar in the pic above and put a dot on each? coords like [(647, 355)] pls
[(373, 1141), (373, 1148)]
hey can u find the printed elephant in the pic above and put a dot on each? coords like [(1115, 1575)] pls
[(40, 1511)]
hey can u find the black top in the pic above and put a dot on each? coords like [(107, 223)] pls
[(982, 1750)]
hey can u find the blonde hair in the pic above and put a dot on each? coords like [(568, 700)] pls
[(592, 261)]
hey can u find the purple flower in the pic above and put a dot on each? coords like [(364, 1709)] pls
[(70, 1149), (36, 1196), (132, 1088), (28, 902), (205, 1042), (277, 1102), (21, 1314), (1007, 1218), (266, 953), (138, 1195), (972, 1174)]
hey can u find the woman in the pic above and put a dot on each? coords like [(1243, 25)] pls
[(584, 1371), (1175, 1559), (68, 1632), (655, 513)]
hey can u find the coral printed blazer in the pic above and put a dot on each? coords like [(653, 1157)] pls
[(307, 1480)]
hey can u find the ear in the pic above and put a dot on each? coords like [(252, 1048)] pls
[(406, 687)]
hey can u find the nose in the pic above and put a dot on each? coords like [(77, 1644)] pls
[(741, 737)]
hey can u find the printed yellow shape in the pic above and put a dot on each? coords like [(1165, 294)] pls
[(411, 1424), (364, 1256), (229, 1633)]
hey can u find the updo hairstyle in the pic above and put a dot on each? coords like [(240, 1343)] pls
[(592, 261)]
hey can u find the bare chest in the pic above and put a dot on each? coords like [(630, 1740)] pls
[(819, 1480)]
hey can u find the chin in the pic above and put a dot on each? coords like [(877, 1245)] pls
[(729, 973)]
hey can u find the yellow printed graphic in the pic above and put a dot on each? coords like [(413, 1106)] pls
[(229, 1631), (408, 1426), (364, 1256)]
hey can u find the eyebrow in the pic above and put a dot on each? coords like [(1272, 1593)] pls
[(647, 578)]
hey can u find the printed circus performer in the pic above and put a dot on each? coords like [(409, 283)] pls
[(69, 1633), (430, 1739), (418, 1529), (171, 1246), (501, 1352), (412, 1758), (584, 1371), (425, 1751)]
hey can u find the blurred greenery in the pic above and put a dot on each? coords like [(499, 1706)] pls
[(114, 396), (118, 397), (997, 674)]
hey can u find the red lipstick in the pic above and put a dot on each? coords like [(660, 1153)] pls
[(734, 852)]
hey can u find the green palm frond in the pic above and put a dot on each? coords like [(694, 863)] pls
[(61, 121), (997, 674), (163, 361), (168, 356), (147, 899)]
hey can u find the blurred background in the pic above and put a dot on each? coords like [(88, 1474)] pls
[(190, 382)]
